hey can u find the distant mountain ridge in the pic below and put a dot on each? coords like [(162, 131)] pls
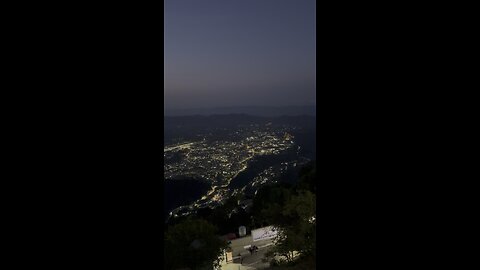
[(249, 110), (221, 120)]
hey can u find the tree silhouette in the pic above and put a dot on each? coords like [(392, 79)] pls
[(192, 243)]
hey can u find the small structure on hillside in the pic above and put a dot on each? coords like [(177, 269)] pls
[(242, 231)]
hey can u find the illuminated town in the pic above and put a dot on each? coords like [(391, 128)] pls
[(219, 162)]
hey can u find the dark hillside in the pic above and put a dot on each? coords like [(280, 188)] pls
[(183, 191)]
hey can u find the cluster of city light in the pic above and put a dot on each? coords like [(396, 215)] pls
[(221, 161)]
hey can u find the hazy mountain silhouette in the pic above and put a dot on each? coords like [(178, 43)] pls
[(195, 123), (251, 110)]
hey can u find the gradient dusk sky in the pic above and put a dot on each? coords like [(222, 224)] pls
[(221, 53)]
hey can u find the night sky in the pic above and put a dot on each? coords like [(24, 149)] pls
[(221, 53)]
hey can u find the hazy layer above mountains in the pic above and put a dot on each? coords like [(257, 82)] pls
[(250, 110)]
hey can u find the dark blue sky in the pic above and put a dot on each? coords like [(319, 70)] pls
[(239, 53)]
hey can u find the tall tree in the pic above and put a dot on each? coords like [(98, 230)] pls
[(296, 224), (192, 243)]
